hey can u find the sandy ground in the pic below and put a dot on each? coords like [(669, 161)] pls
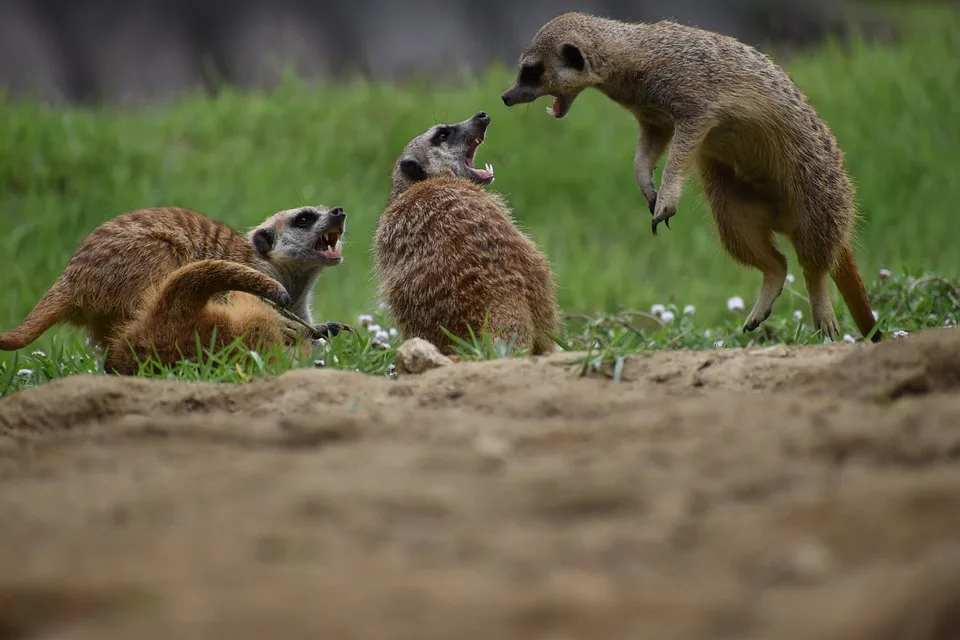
[(772, 494)]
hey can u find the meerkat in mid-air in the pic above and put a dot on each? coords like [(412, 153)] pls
[(120, 265), (766, 161), (448, 254)]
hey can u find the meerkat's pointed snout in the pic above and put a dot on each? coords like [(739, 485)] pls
[(338, 213), (482, 117)]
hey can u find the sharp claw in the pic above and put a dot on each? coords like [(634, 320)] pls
[(667, 222), (654, 226)]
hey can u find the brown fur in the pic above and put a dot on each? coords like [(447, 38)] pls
[(114, 271), (767, 162), (447, 254), (165, 328)]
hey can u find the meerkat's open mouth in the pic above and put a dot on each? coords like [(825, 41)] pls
[(328, 244), (485, 175), (560, 107)]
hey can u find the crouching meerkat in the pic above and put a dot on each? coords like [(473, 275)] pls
[(766, 161), (121, 266), (166, 327), (447, 252)]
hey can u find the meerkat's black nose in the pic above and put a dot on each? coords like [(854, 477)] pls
[(507, 98), (338, 212), (482, 116)]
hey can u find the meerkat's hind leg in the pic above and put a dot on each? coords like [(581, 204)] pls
[(821, 307), (816, 257), (743, 222)]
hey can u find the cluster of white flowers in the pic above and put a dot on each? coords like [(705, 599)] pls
[(380, 335), (667, 315)]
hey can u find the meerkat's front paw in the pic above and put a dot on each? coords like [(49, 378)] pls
[(662, 212), (649, 190), (293, 331), (330, 329)]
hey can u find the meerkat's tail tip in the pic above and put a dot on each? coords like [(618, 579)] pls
[(847, 278)]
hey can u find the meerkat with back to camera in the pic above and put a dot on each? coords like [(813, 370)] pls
[(448, 254), (766, 161), (142, 262)]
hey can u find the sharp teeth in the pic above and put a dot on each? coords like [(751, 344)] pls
[(490, 168), (550, 110)]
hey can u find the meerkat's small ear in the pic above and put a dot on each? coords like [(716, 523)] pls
[(573, 57), (263, 241), (412, 169)]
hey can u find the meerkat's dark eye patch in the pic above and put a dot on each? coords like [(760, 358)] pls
[(263, 241), (530, 74), (305, 219), (412, 169), (442, 134), (573, 57)]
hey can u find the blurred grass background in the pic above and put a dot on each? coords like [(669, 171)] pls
[(238, 157)]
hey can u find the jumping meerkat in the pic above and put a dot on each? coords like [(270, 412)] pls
[(120, 264), (448, 254), (766, 161)]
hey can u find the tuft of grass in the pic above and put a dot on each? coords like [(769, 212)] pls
[(240, 156)]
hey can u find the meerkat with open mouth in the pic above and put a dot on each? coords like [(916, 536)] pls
[(768, 164), (121, 266), (448, 254)]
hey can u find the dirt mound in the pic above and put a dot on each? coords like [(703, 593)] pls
[(927, 363), (722, 494)]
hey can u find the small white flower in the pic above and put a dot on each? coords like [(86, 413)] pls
[(884, 274), (392, 332), (373, 328), (39, 354), (735, 303), (707, 333), (790, 278), (876, 316), (25, 372), (931, 316), (667, 316), (848, 338), (336, 360), (798, 315), (948, 322), (689, 309), (899, 333), (718, 344), (364, 319), (321, 342), (657, 309), (381, 336)]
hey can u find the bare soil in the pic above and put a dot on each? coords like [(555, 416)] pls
[(775, 493)]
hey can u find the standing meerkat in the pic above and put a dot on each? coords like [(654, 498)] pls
[(121, 263), (447, 252), (766, 161)]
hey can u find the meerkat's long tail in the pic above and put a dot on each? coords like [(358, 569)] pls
[(51, 309), (188, 289), (847, 278)]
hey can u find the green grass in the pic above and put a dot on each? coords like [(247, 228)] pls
[(240, 156)]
